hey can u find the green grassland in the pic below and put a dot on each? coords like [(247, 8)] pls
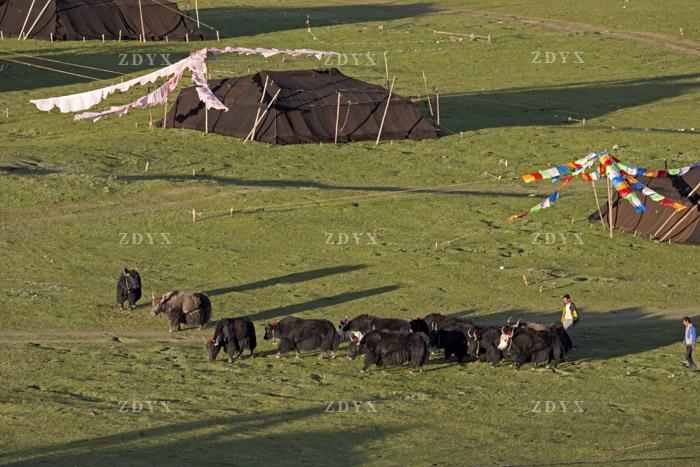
[(70, 191)]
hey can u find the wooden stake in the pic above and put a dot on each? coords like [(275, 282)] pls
[(103, 38), (230, 213), (437, 107), (217, 35), (84, 39), (2, 35), (166, 39), (194, 215), (610, 208), (146, 167), (386, 108), (150, 118), (675, 212), (187, 38), (597, 203), (337, 118), (143, 30), (120, 36), (51, 37), (427, 94), (206, 119), (165, 112)]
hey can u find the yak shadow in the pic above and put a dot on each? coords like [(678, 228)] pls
[(606, 335), (237, 440), (292, 278), (318, 303)]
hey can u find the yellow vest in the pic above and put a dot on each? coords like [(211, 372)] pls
[(574, 313)]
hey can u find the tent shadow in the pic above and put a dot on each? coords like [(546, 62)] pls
[(247, 21), (553, 105), (213, 440)]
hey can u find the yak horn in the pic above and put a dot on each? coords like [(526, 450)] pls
[(517, 324), (508, 320), (153, 295)]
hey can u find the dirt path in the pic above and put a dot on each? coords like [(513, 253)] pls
[(627, 318)]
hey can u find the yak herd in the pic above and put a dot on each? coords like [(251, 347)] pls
[(384, 342)]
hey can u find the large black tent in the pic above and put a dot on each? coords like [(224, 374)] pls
[(305, 106), (655, 220), (95, 19)]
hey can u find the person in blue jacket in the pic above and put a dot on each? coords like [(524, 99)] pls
[(691, 338)]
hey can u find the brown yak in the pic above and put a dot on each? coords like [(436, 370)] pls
[(193, 308)]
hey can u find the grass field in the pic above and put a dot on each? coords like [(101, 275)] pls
[(77, 374)]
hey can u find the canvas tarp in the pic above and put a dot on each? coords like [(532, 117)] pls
[(91, 19), (625, 218), (305, 110)]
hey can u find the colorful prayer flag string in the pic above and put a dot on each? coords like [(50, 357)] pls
[(621, 175)]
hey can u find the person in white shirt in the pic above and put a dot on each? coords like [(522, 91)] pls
[(569, 318)]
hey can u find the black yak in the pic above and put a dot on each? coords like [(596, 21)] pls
[(191, 308), (366, 323), (128, 288), (482, 344), (453, 339), (234, 335), (303, 334), (522, 345), (437, 321), (390, 348)]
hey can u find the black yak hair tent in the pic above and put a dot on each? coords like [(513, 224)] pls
[(95, 19), (682, 227), (302, 106)]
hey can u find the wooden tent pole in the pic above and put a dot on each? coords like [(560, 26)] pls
[(165, 112), (437, 106), (143, 31), (257, 122), (26, 34), (196, 10), (262, 96), (610, 208), (337, 118), (675, 212), (29, 12), (597, 203), (386, 69), (386, 108), (427, 94), (674, 226)]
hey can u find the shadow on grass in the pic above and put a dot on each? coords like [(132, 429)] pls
[(247, 21), (613, 334), (324, 302), (287, 279), (233, 440), (553, 105)]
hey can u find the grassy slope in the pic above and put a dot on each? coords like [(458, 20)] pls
[(62, 229)]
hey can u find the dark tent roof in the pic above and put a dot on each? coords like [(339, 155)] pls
[(305, 110), (647, 223), (75, 19)]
